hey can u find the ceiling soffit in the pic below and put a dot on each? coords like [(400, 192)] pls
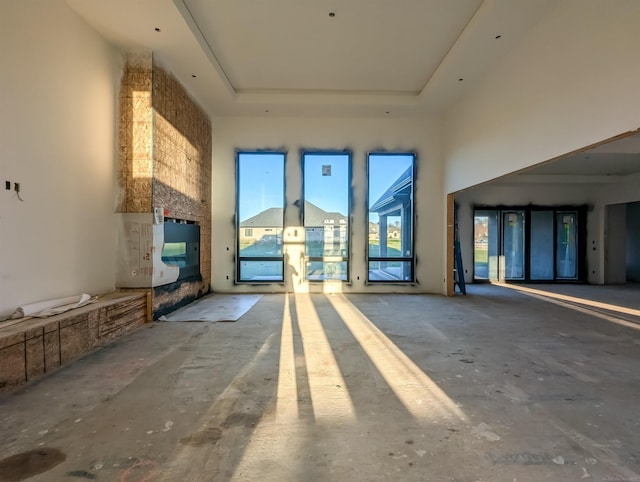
[(289, 57), (610, 162), (361, 46)]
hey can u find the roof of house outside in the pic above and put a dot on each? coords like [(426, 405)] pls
[(314, 216), (400, 186), (273, 217), (269, 218)]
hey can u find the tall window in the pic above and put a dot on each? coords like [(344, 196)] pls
[(326, 215), (390, 249), (260, 216)]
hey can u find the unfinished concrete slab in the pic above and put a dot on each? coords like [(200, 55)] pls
[(499, 385)]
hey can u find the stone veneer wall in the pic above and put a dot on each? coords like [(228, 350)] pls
[(181, 178), (165, 161), (135, 170)]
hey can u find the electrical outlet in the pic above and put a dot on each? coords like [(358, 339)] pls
[(7, 185), (16, 186)]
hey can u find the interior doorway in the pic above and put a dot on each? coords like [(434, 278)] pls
[(622, 243)]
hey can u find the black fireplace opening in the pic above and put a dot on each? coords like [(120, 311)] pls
[(182, 247)]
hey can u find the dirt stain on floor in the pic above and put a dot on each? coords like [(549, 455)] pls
[(27, 464), (207, 436), (247, 420)]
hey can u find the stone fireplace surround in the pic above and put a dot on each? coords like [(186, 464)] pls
[(165, 163)]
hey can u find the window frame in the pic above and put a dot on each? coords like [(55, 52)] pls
[(410, 259), (339, 259), (239, 259)]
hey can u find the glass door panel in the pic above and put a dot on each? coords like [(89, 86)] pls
[(566, 245), (485, 242), (513, 244), (541, 247)]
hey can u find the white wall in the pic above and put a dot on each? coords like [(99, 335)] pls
[(59, 84), (360, 136), (622, 192), (571, 83)]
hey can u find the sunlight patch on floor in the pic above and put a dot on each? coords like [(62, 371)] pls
[(589, 305), (417, 392), (287, 396), (329, 394)]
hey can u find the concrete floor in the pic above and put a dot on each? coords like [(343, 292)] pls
[(499, 385)]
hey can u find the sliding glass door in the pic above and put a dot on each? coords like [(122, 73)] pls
[(513, 245), (528, 244), (541, 261), (486, 244), (566, 245)]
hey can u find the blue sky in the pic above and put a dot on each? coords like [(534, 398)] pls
[(262, 180), (330, 193), (384, 169)]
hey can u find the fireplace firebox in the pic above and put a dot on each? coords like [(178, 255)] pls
[(182, 247)]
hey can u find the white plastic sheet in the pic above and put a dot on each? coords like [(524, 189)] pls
[(56, 306), (215, 307)]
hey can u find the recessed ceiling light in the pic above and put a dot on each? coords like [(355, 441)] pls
[(157, 29), (332, 14)]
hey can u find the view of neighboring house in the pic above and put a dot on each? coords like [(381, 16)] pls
[(262, 234), (326, 233), (393, 231), (374, 231)]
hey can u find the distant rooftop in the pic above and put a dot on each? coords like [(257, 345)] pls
[(313, 215)]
